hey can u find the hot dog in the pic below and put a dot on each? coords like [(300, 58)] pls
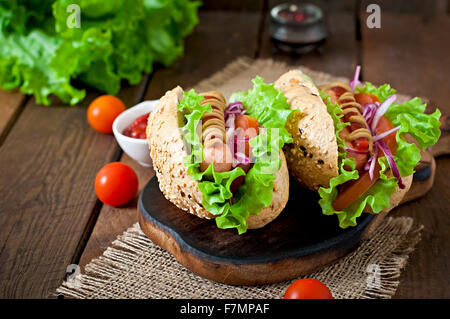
[(367, 172), (357, 134), (215, 145), (227, 183), (216, 150)]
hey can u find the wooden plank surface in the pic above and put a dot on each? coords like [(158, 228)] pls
[(339, 54), (48, 163), (412, 55), (11, 104), (208, 49)]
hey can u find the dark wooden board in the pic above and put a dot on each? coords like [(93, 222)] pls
[(300, 241)]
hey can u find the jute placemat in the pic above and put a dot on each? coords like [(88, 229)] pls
[(134, 267)]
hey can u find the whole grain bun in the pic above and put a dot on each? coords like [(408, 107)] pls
[(167, 151), (313, 157), (396, 198), (279, 199)]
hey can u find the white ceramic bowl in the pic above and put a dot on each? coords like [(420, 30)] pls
[(136, 148)]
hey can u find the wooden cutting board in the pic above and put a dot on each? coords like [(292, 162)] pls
[(300, 241)]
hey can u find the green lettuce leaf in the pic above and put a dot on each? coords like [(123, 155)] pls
[(41, 55), (412, 119), (268, 105), (271, 109), (382, 92)]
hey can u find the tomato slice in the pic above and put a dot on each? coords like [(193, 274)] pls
[(247, 128), (354, 189), (366, 98), (245, 122), (383, 125)]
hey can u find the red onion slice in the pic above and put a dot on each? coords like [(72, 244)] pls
[(235, 108), (372, 165), (369, 111), (392, 164), (355, 82), (237, 103), (384, 134), (381, 110), (351, 150), (241, 159)]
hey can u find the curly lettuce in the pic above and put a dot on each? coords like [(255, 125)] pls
[(270, 108), (410, 116), (41, 55)]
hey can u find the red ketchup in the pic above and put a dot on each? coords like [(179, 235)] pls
[(137, 128)]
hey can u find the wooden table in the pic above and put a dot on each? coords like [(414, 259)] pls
[(50, 216)]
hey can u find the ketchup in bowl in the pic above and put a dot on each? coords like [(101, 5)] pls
[(137, 128)]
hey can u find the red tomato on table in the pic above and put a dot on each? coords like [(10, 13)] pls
[(103, 111), (308, 289), (116, 184)]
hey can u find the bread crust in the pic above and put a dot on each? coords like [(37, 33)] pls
[(167, 151), (313, 157), (279, 199)]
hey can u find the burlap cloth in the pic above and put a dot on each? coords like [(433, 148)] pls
[(134, 267)]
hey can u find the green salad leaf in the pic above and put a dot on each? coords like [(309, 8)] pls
[(271, 109), (117, 40), (411, 118)]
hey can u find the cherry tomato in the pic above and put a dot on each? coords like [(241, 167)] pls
[(103, 111), (116, 184), (308, 289), (366, 98)]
